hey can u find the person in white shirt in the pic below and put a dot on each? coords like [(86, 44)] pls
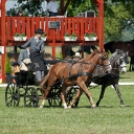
[(52, 8)]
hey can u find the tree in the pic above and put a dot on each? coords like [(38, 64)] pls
[(119, 22), (29, 7)]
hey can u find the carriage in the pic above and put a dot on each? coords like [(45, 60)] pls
[(24, 86)]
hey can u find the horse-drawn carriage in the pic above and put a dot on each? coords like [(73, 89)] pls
[(94, 68), (24, 86)]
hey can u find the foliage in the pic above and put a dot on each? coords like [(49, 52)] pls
[(22, 35), (80, 6), (27, 8), (16, 35), (8, 68), (118, 22), (88, 34), (66, 34), (12, 12), (59, 55), (44, 34), (73, 35)]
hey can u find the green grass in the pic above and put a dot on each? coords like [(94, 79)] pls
[(109, 118), (128, 76)]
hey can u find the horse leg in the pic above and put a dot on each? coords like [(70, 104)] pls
[(101, 95), (77, 96), (86, 91), (47, 90), (132, 67), (62, 95), (116, 87)]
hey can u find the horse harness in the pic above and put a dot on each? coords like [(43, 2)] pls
[(80, 73), (71, 76)]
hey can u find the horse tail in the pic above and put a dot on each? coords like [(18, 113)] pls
[(108, 46), (44, 80)]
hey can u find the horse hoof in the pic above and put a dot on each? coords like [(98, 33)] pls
[(122, 105), (65, 107), (40, 107), (69, 107), (93, 106)]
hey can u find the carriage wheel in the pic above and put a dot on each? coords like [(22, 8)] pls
[(70, 95), (54, 97), (56, 101), (12, 95), (31, 98)]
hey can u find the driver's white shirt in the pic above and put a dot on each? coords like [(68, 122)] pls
[(53, 6)]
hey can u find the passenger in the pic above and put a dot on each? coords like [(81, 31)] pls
[(24, 59), (36, 45), (24, 65)]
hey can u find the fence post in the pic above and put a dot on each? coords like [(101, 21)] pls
[(3, 37)]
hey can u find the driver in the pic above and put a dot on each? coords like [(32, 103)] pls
[(36, 45)]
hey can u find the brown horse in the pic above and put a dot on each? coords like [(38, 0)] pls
[(125, 46), (70, 74)]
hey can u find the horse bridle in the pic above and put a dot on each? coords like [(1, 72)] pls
[(118, 66)]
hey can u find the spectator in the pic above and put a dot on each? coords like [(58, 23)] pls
[(52, 8)]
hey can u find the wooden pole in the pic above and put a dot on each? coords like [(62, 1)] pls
[(100, 5), (101, 9), (3, 36)]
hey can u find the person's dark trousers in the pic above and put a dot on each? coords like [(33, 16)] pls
[(51, 14)]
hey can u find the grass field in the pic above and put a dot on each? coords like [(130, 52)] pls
[(109, 118)]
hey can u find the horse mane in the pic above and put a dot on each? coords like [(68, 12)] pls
[(89, 56), (111, 59)]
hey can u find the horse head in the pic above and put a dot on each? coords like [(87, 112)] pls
[(119, 60), (103, 60)]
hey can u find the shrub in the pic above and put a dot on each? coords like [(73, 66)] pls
[(8, 68)]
